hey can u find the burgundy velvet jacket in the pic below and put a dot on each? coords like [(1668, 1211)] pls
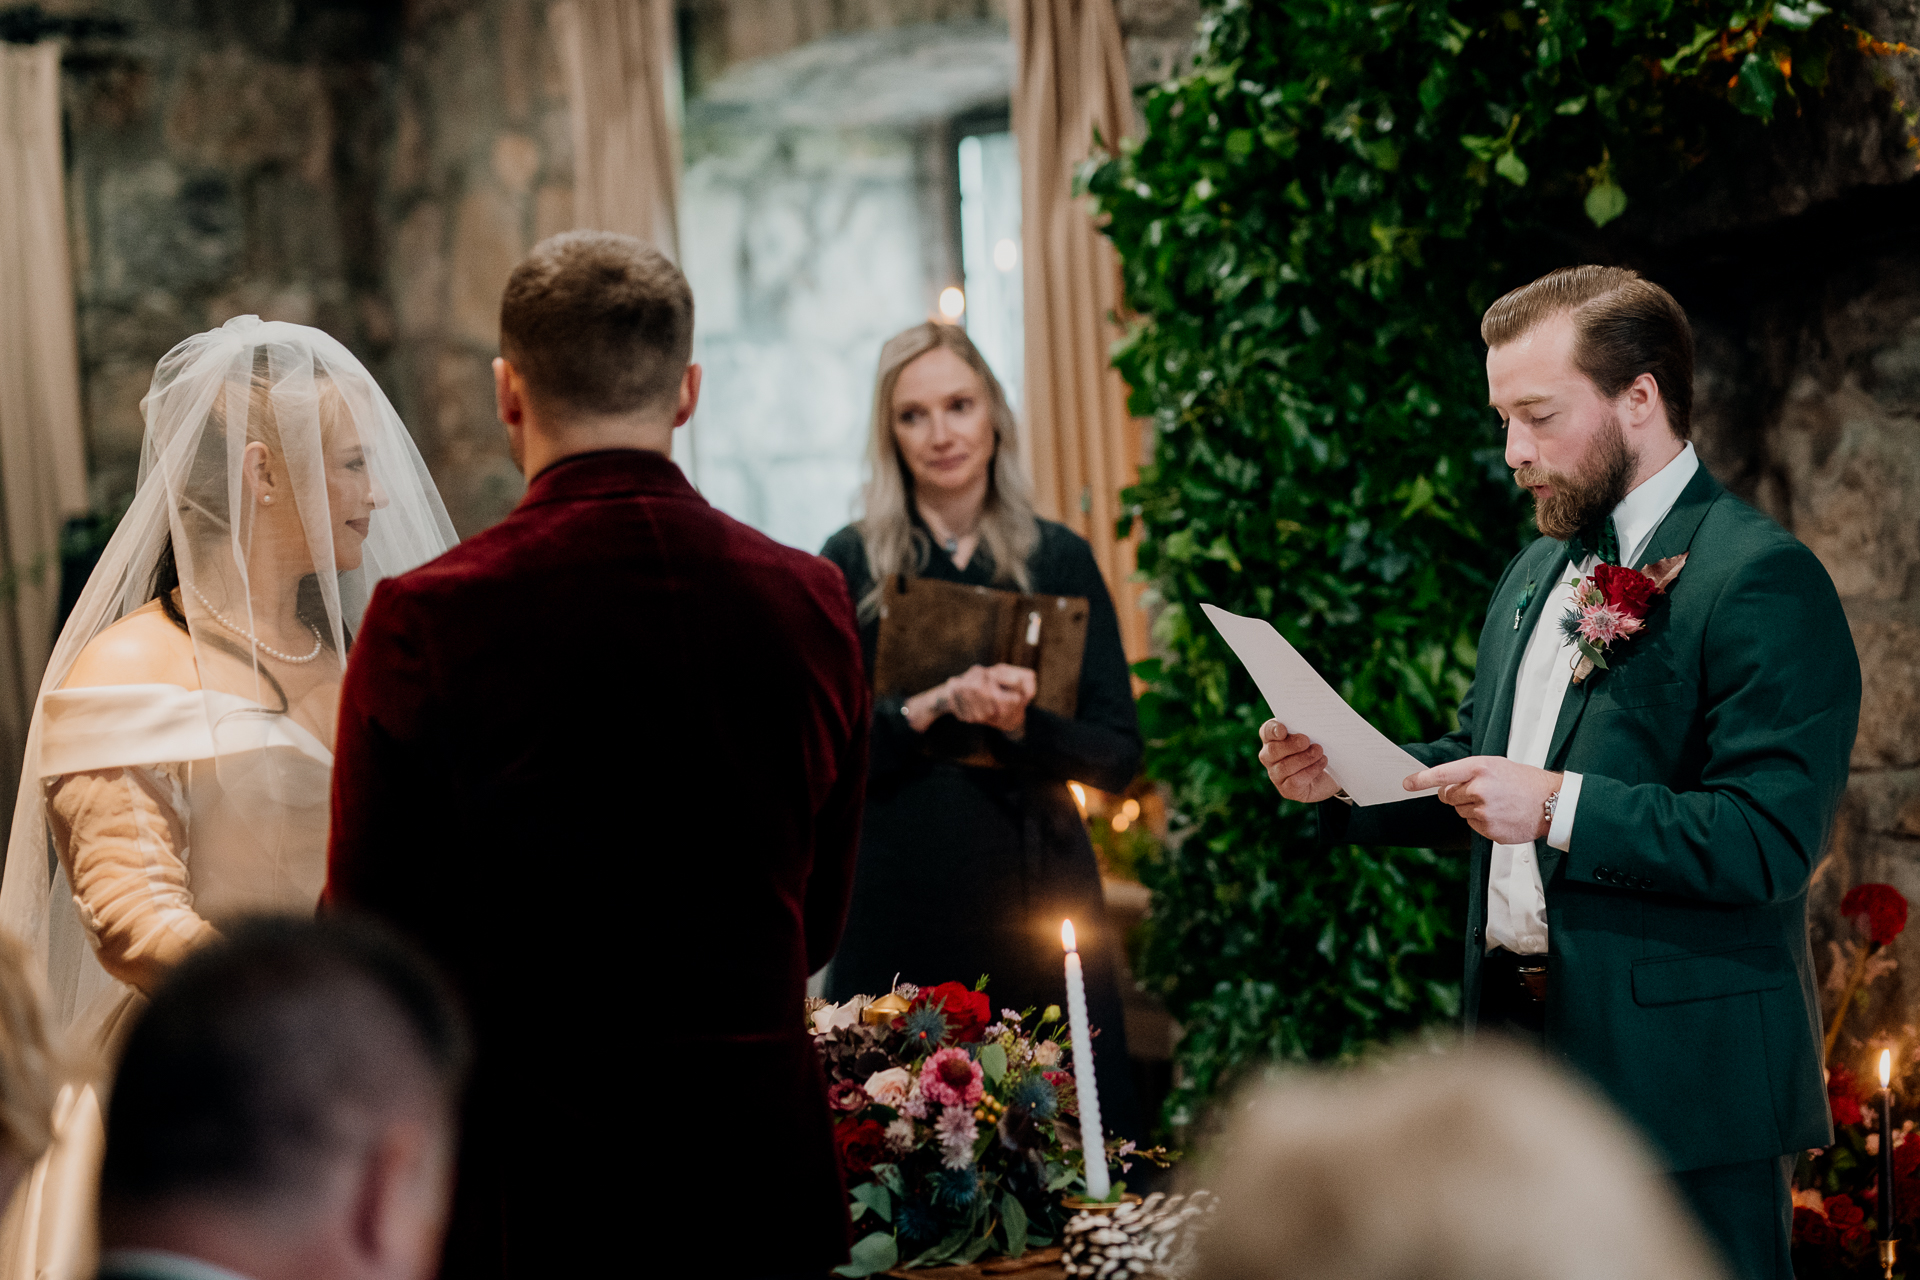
[(605, 762)]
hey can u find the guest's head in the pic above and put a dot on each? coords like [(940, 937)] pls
[(596, 344), (1482, 1164), (29, 1073), (1591, 370), (286, 1107), (943, 434)]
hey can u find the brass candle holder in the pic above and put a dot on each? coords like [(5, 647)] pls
[(884, 1010)]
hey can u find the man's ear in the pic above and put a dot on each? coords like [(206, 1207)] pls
[(1642, 401), (399, 1204), (689, 395), (509, 392)]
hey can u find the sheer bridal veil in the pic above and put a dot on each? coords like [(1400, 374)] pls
[(276, 486)]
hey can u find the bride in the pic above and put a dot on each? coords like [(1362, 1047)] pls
[(178, 765)]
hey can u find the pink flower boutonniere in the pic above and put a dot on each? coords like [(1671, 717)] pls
[(1611, 604)]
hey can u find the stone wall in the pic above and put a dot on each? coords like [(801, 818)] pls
[(374, 170), (1801, 272), (477, 168), (219, 166)]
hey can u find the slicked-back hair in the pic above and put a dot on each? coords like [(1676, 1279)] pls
[(1624, 326), (598, 323), (263, 1058)]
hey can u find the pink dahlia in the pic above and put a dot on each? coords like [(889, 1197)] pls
[(952, 1079), (1602, 624)]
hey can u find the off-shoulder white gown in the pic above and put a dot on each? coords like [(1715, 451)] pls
[(171, 810)]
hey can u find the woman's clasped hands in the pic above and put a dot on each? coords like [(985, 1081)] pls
[(995, 696)]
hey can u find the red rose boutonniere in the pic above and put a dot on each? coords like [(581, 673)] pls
[(1611, 604)]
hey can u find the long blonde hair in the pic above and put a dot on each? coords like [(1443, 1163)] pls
[(895, 544)]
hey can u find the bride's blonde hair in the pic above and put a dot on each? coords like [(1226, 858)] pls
[(895, 544)]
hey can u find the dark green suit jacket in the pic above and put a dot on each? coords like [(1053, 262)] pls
[(1713, 754)]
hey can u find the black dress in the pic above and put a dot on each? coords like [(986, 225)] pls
[(966, 871)]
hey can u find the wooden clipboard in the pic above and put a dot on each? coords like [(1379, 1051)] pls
[(930, 630)]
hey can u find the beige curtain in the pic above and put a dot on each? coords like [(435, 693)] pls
[(620, 59), (43, 470), (1072, 80)]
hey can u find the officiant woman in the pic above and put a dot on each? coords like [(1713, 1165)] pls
[(967, 870)]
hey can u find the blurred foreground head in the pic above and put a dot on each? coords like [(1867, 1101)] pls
[(1480, 1164), (286, 1106)]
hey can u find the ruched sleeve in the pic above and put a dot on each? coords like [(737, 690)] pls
[(121, 837)]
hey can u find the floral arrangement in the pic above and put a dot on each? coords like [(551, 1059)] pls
[(957, 1132), (1610, 604), (1836, 1200)]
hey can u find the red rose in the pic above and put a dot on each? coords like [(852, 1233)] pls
[(1809, 1228), (1906, 1199), (858, 1144), (1842, 1096), (1906, 1156), (1842, 1212), (1627, 590), (968, 1012), (1883, 907)]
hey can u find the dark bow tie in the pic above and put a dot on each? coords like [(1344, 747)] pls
[(1603, 542)]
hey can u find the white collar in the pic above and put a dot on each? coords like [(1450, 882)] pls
[(1641, 511), (162, 1264)]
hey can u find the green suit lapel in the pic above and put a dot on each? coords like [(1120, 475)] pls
[(1552, 563), (1674, 535)]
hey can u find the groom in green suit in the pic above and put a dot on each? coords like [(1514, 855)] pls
[(1646, 799)]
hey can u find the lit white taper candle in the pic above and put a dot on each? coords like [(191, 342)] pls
[(1092, 1137)]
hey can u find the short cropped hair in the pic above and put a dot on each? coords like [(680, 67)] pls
[(263, 1055), (1624, 326), (598, 323)]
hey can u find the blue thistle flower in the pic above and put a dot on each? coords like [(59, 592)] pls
[(916, 1221), (1037, 1094), (925, 1025), (954, 1188)]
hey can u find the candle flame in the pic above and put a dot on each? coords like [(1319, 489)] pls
[(1886, 1067), (1066, 935), (1079, 796)]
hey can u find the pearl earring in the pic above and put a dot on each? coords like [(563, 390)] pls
[(266, 497)]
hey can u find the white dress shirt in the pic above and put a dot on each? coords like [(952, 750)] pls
[(1516, 902)]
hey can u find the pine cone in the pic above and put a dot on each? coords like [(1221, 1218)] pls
[(1151, 1240)]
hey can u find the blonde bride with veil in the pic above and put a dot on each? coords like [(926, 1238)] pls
[(178, 766)]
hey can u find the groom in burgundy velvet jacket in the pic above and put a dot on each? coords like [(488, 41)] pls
[(605, 761)]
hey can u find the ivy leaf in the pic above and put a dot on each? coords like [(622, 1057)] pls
[(993, 1063), (1757, 85), (1482, 147), (1605, 202), (1511, 167), (1799, 17), (1702, 37)]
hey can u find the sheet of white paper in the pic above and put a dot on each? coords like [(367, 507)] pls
[(1364, 761)]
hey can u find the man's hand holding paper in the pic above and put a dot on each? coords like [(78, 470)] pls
[(1503, 800), (1354, 757), (1297, 766)]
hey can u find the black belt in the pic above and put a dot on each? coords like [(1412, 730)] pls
[(1526, 974)]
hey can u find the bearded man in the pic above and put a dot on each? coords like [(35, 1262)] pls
[(1643, 827)]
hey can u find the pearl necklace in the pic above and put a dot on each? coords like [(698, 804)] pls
[(254, 640)]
